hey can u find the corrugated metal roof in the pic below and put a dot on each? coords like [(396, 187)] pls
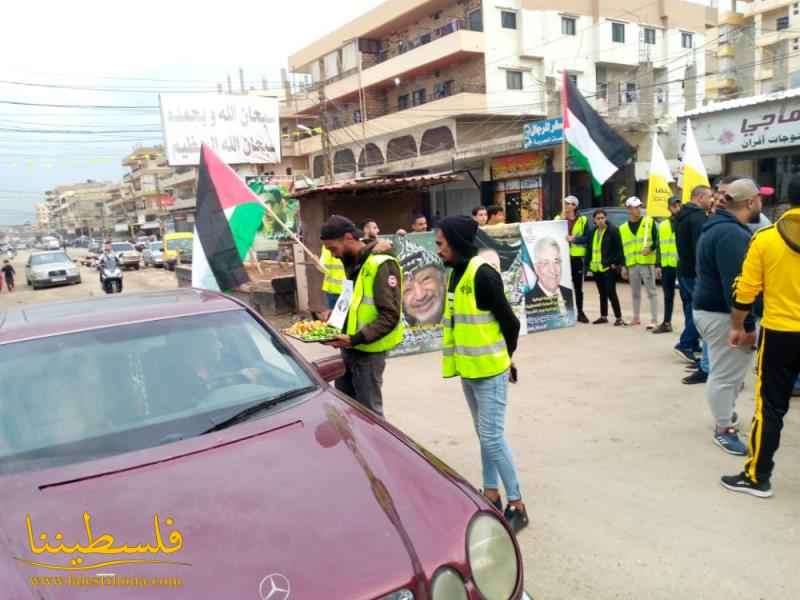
[(741, 103), (374, 183)]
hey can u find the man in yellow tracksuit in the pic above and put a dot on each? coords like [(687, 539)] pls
[(771, 267), (479, 337), (374, 323)]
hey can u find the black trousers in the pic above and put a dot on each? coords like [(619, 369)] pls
[(669, 277), (778, 369), (576, 262), (607, 286), (363, 378)]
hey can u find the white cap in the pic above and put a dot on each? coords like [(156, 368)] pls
[(572, 200), (633, 202)]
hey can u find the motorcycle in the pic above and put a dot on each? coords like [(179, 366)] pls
[(110, 278)]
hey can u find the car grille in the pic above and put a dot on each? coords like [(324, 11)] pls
[(57, 273)]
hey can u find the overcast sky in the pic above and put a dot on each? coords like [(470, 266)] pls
[(139, 48)]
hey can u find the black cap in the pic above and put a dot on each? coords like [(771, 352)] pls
[(336, 227), (674, 200)]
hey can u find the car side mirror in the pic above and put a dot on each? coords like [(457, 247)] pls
[(330, 368)]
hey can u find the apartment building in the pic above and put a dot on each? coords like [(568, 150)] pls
[(42, 217), (78, 209), (424, 86)]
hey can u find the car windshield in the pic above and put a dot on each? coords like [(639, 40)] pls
[(48, 259), (157, 246), (82, 396), (122, 247), (184, 245)]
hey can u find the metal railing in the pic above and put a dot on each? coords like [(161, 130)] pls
[(402, 47)]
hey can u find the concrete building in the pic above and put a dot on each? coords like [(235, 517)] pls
[(42, 217), (78, 209), (426, 86)]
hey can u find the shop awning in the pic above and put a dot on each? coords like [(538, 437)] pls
[(378, 183)]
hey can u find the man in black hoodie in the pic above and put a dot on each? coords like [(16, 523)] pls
[(688, 227), (480, 336)]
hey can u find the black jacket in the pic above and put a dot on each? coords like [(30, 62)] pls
[(688, 225), (610, 247)]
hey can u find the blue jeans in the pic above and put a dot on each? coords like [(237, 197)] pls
[(704, 361), (331, 299), (487, 399), (690, 338)]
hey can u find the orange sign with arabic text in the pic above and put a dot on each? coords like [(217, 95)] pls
[(530, 163)]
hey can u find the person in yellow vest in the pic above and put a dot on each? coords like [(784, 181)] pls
[(640, 246), (374, 322), (479, 337), (334, 277), (578, 237), (668, 259)]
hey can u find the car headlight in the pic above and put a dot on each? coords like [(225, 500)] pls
[(399, 595), (448, 585), (72, 271), (492, 557), (40, 275)]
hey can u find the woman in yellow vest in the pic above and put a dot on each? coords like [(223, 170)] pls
[(479, 337), (668, 259), (373, 325)]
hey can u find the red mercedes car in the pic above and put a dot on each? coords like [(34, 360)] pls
[(173, 445)]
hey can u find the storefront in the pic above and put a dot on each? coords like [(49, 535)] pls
[(518, 185), (756, 137)]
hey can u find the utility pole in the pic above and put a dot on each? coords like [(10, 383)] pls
[(326, 140), (241, 80), (230, 86)]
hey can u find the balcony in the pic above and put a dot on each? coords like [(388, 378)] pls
[(762, 73), (718, 85), (726, 51), (439, 52), (765, 6), (178, 179), (775, 37)]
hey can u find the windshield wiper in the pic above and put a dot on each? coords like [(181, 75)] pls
[(258, 407)]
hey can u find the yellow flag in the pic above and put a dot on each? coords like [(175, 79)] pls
[(658, 189), (694, 171)]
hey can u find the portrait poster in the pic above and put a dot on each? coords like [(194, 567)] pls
[(547, 276), (287, 209)]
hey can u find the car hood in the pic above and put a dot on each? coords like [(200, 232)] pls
[(320, 494), (60, 266)]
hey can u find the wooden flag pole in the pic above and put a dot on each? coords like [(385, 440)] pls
[(564, 104), (288, 230)]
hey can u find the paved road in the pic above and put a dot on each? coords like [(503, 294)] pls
[(616, 462)]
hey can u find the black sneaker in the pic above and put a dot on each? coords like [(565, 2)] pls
[(695, 378), (742, 483), (600, 321), (663, 328), (517, 519), (694, 366), (582, 318), (620, 323), (498, 504), (685, 355)]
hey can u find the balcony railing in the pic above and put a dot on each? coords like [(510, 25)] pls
[(426, 38)]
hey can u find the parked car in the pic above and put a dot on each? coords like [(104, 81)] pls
[(127, 254), (50, 268), (177, 244), (153, 255), (232, 439), (51, 243)]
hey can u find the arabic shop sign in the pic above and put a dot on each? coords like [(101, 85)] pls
[(518, 165), (543, 133), (761, 127), (240, 129)]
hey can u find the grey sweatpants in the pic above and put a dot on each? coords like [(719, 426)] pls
[(728, 366), (643, 274), (363, 378)]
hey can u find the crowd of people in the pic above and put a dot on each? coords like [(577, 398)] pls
[(735, 274)]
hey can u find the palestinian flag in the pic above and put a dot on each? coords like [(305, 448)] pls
[(228, 217), (593, 145)]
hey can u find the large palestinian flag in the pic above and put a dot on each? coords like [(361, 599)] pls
[(593, 145), (228, 216)]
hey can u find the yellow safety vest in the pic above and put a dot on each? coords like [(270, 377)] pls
[(362, 309), (632, 245), (667, 245), (334, 272), (596, 266), (473, 347), (575, 249)]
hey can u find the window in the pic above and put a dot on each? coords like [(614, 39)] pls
[(782, 23), (687, 40), (424, 39), (796, 8), (661, 95), (796, 44), (403, 102), (630, 92), (357, 116), (475, 20), (649, 35), (514, 80), (567, 25), (602, 90), (618, 32), (508, 19), (419, 97)]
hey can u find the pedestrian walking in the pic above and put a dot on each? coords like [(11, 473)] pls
[(606, 257), (668, 261), (480, 337), (333, 279), (688, 227), (8, 275), (578, 237), (771, 268), (373, 325), (640, 246), (720, 254)]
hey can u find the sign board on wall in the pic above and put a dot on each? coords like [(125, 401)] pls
[(543, 133), (240, 129), (760, 127), (120, 227), (517, 165)]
